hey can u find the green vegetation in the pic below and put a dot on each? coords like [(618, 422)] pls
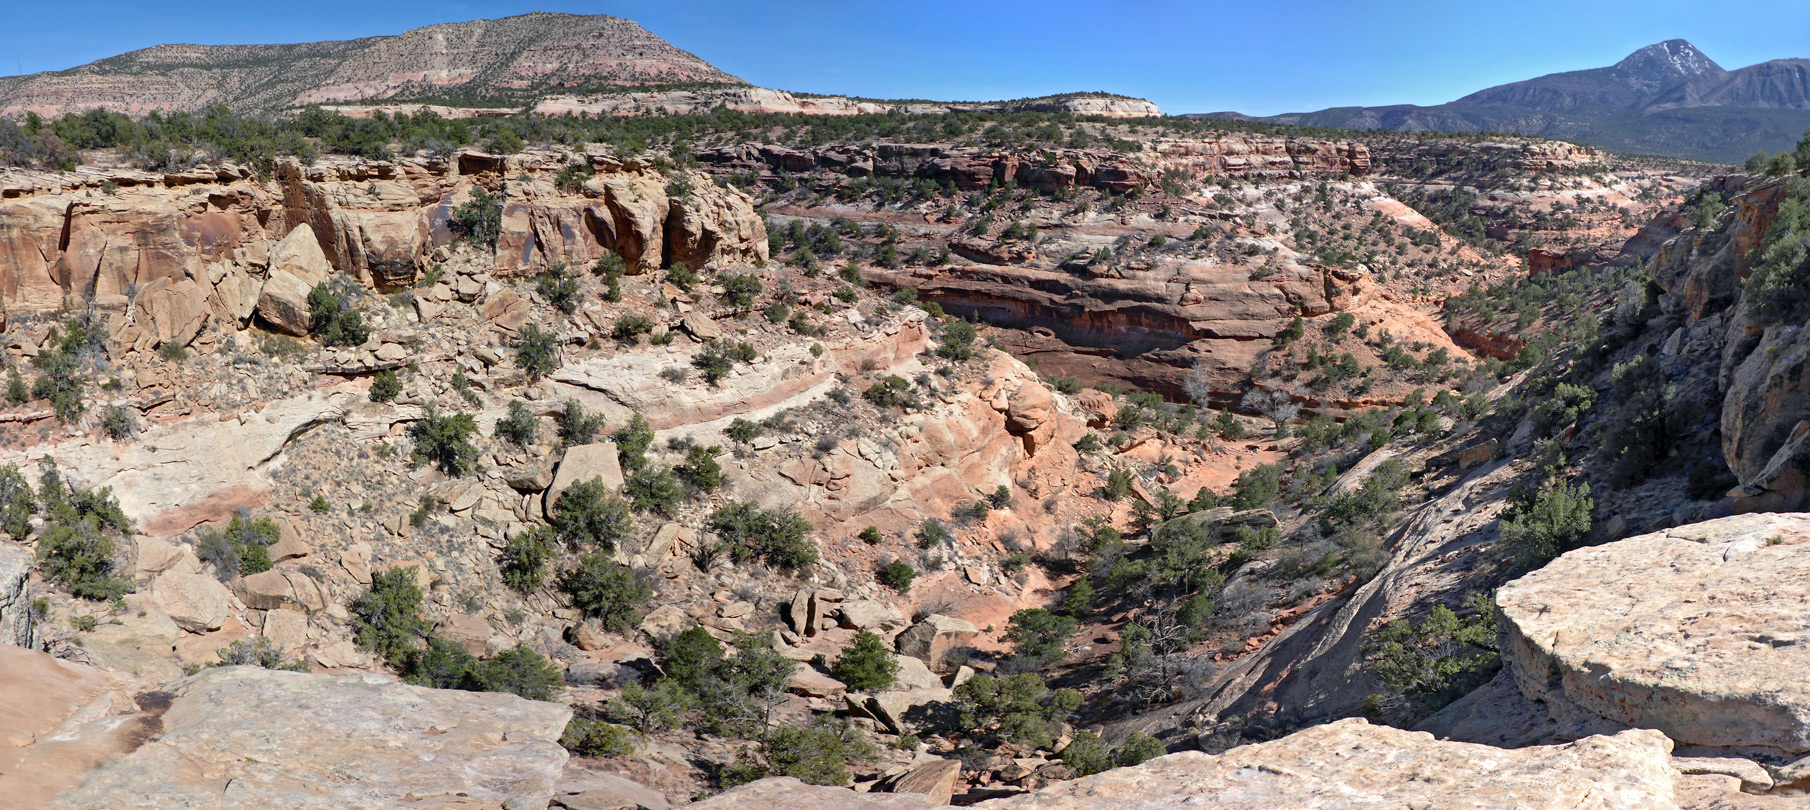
[(779, 537), (537, 352), (896, 575), (577, 427), (1549, 521), (243, 548), (519, 426), (479, 219), (386, 618), (385, 386), (606, 590), (1425, 665), (1039, 634), (1019, 709), (335, 322), (866, 664), (445, 442), (591, 737), (589, 515)]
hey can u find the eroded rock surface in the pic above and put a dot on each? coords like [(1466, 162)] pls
[(1698, 632), (244, 737)]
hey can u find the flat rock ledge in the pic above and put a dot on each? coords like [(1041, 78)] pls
[(1701, 632), (1346, 765), (248, 738)]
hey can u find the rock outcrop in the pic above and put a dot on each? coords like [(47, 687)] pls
[(1346, 765), (1697, 631), (244, 737), (15, 597), (216, 242)]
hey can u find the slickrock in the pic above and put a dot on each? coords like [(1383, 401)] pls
[(1351, 764), (1697, 631), (786, 793), (243, 737)]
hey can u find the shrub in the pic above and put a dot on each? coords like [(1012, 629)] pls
[(524, 559), (1433, 662), (866, 665), (780, 536), (1118, 484), (818, 755), (714, 362), (1017, 708), (589, 515), (257, 652), (1087, 754), (335, 323), (655, 490), (896, 575), (577, 427), (740, 290), (590, 737), (537, 352), (560, 290), (1088, 444), (479, 219), (1567, 404), (118, 424), (958, 340), (519, 426), (16, 502), (1039, 634), (606, 590), (445, 441), (892, 392), (385, 386), (61, 383), (871, 536), (661, 706), (1553, 520), (632, 442), (1137, 749), (742, 431), (386, 618), (700, 471), (16, 392), (320, 505), (519, 671), (681, 275), (628, 329), (931, 532), (76, 553), (243, 548)]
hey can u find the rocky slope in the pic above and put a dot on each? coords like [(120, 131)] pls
[(482, 60)]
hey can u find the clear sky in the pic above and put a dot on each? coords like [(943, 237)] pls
[(1254, 56)]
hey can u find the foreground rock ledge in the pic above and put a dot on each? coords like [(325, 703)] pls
[(1702, 632), (1345, 765), (243, 737)]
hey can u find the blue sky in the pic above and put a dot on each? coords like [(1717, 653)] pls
[(1255, 56)]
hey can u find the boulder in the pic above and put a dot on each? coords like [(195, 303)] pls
[(195, 602), (299, 254), (1351, 764), (665, 620), (1698, 632), (590, 790), (467, 632), (868, 614), (700, 326), (786, 793), (283, 304), (15, 600), (242, 737), (935, 781), (286, 629), (583, 463), (811, 683), (914, 674), (933, 638)]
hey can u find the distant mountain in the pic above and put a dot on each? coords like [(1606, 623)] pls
[(510, 61), (1667, 98)]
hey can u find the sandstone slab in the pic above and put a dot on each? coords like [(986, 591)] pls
[(243, 737), (1350, 764), (1699, 632)]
